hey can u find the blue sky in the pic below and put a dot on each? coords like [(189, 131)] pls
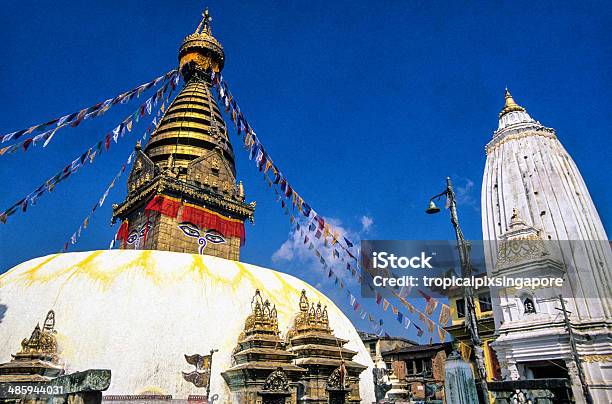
[(366, 107)]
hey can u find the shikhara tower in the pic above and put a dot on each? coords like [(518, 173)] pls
[(182, 190), (538, 220)]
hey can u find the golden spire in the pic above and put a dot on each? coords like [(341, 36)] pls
[(204, 26), (263, 317), (200, 51), (510, 105), (311, 317)]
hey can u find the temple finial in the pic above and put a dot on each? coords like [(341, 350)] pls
[(510, 105), (204, 26)]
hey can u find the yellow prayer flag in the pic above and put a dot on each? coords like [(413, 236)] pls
[(441, 334), (445, 315)]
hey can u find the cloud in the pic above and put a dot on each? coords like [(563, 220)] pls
[(298, 255), (284, 253), (366, 223), (465, 193)]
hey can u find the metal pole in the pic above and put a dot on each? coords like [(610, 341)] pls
[(570, 331), (466, 266), (212, 351)]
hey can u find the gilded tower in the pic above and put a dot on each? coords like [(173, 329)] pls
[(182, 190)]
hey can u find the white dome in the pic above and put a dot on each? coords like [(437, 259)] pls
[(138, 312)]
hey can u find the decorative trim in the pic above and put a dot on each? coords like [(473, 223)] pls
[(501, 139), (597, 358), (162, 183)]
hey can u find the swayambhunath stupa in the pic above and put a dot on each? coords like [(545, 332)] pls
[(381, 273), (240, 333)]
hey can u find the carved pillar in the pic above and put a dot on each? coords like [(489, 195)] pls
[(512, 370), (572, 371)]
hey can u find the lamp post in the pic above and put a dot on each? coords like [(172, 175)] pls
[(466, 270)]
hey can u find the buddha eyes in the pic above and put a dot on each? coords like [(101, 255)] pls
[(214, 238), (189, 231), (192, 231), (143, 231), (132, 237), (136, 235)]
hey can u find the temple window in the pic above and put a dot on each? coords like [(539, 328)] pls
[(484, 301), (460, 303), (529, 306)]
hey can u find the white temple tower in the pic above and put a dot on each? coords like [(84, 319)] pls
[(533, 192)]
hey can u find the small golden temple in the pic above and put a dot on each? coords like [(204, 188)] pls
[(37, 360), (310, 365)]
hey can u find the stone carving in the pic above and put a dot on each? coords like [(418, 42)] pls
[(521, 243), (277, 382), (597, 358), (529, 306), (337, 380)]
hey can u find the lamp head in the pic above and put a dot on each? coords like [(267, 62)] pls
[(432, 208)]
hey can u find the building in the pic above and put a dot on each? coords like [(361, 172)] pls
[(486, 328), (403, 367), (380, 345), (420, 368), (539, 220), (173, 314), (182, 190)]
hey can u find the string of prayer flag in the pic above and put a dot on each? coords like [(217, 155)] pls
[(75, 118), (150, 129), (46, 137), (76, 164), (315, 223), (77, 234)]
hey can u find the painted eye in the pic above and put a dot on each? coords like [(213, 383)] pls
[(132, 237), (214, 238), (189, 230), (143, 230)]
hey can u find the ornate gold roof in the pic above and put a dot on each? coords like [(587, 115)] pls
[(42, 342), (263, 318), (311, 317), (510, 105), (37, 359), (191, 127)]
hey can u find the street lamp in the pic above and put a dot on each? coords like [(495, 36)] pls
[(466, 270)]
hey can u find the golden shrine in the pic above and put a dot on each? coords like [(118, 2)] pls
[(310, 365), (37, 359)]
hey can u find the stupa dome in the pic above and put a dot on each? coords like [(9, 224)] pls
[(138, 313)]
